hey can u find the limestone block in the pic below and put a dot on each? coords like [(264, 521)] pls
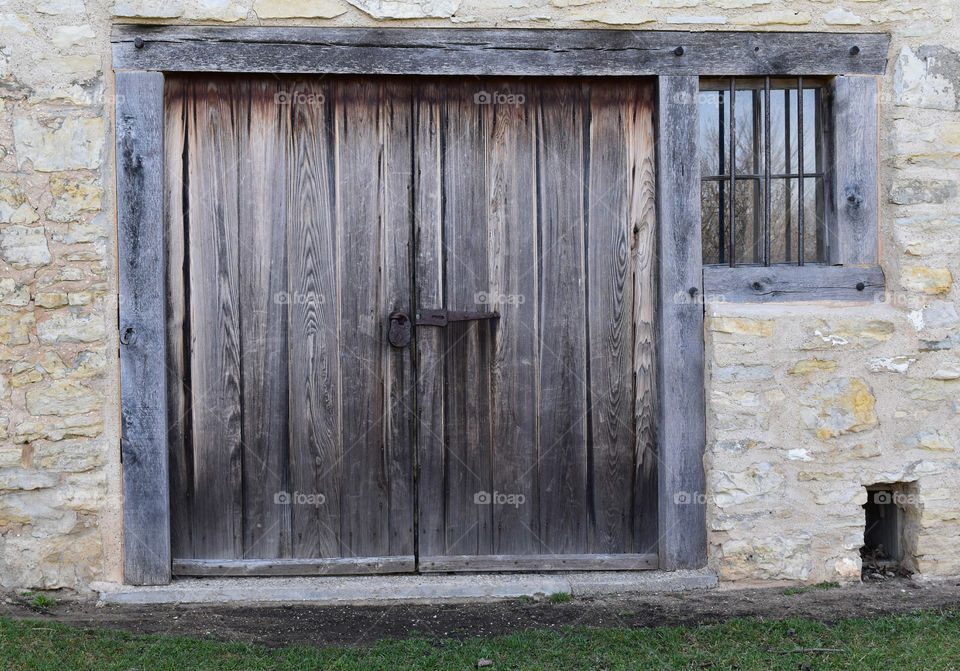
[(148, 9), (845, 333), (783, 557), (805, 366), (741, 326), (927, 78), (68, 327), (407, 9), (12, 293), (63, 398), (841, 17), (773, 17), (216, 10), (732, 488), (927, 439), (289, 9), (15, 327), (68, 37), (73, 197), (742, 373), (66, 143), (15, 208), (893, 364), (24, 246), (843, 405), (68, 457), (914, 191), (80, 426), (928, 280), (59, 7)]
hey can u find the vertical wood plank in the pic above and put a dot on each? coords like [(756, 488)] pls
[(429, 117), (466, 345), (214, 307), (178, 415), (512, 222), (609, 318), (682, 435), (562, 315), (140, 219), (360, 169), (396, 184), (314, 342), (853, 233), (263, 127), (642, 215)]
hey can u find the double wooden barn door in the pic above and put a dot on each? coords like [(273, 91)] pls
[(316, 426)]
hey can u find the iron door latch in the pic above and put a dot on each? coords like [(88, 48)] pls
[(401, 326)]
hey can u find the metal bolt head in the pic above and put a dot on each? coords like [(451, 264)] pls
[(854, 50), (678, 51), (138, 42)]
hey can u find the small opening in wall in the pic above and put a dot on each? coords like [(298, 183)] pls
[(889, 536)]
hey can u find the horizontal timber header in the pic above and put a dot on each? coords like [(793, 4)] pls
[(439, 51)]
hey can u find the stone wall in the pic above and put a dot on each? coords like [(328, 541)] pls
[(806, 404)]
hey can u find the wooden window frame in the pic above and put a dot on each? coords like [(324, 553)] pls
[(851, 271), (141, 54)]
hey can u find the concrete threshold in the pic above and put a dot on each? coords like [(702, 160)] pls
[(394, 589)]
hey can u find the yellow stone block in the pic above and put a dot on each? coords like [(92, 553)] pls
[(928, 280), (811, 366), (741, 326)]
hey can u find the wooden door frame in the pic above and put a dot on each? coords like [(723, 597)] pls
[(141, 54)]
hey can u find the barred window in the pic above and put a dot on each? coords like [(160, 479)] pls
[(770, 208)]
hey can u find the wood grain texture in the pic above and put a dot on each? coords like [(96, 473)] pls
[(345, 198), (292, 567), (316, 466), (854, 206), (682, 428), (562, 315), (428, 269), (396, 208), (556, 562), (609, 317), (792, 283), (360, 169), (178, 326), (642, 214), (213, 189), (431, 51), (467, 346), (512, 291), (140, 222), (263, 131)]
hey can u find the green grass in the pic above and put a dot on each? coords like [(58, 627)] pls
[(560, 597), (928, 640), (42, 601)]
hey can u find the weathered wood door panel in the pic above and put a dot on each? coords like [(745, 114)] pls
[(291, 421), (536, 432), (301, 213)]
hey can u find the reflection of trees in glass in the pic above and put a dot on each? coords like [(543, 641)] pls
[(784, 153)]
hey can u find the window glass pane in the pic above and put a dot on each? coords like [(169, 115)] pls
[(713, 117), (749, 148), (811, 124), (778, 107), (749, 216), (783, 221), (813, 222), (710, 222), (751, 144)]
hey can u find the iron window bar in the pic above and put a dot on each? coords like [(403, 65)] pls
[(726, 213)]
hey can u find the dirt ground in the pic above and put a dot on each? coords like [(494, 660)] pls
[(282, 625)]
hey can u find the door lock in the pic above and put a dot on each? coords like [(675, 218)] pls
[(401, 326)]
